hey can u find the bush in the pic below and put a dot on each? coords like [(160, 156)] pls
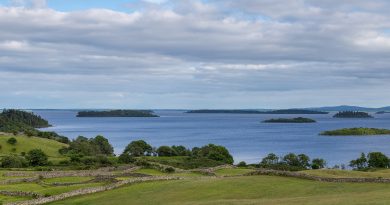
[(169, 170), (126, 159), (13, 161), (37, 157), (13, 149), (12, 141)]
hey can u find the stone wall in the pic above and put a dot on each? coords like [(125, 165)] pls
[(91, 190), (21, 193), (318, 178)]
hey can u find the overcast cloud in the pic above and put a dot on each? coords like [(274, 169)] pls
[(194, 54)]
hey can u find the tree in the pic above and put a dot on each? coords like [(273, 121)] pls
[(138, 148), (304, 161), (377, 160), (37, 157), (125, 158), (291, 159), (181, 150), (166, 151), (216, 152), (13, 161), (359, 163), (241, 164), (12, 141), (103, 145), (318, 163), (270, 159)]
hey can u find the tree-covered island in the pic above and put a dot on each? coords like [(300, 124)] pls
[(358, 131), (117, 113), (352, 114), (290, 120)]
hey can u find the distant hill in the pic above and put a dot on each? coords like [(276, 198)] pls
[(350, 108)]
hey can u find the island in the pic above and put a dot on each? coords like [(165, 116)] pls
[(382, 112), (117, 113), (359, 131), (352, 114), (284, 111), (290, 120)]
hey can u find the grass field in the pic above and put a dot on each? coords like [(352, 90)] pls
[(334, 173), (25, 144), (241, 190)]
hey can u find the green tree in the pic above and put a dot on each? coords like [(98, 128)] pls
[(181, 150), (166, 151), (304, 161), (359, 163), (318, 163), (138, 148), (37, 157), (103, 145), (270, 159), (216, 152), (377, 160)]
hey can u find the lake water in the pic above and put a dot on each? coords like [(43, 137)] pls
[(243, 134)]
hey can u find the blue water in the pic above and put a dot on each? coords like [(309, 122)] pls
[(243, 134)]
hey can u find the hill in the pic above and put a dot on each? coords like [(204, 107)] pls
[(117, 113), (25, 144), (350, 108)]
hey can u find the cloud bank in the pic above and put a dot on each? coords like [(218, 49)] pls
[(194, 54)]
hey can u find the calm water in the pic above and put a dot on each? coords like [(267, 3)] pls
[(243, 134)]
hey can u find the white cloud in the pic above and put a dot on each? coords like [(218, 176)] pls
[(194, 49)]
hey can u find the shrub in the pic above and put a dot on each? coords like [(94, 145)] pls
[(13, 161), (169, 170), (37, 157), (12, 141), (126, 159), (23, 154), (13, 149)]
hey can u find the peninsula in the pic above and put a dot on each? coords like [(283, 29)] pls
[(117, 113)]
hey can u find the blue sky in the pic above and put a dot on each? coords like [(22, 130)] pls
[(194, 54)]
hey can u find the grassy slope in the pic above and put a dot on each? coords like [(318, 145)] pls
[(334, 173), (25, 144), (241, 190)]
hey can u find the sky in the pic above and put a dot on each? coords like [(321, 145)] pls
[(193, 54)]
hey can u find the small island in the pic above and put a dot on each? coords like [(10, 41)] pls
[(382, 112), (352, 114), (290, 120), (117, 113), (359, 131), (284, 111)]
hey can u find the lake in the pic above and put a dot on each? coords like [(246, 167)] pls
[(243, 134)]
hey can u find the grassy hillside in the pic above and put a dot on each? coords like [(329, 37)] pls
[(25, 144), (241, 190)]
